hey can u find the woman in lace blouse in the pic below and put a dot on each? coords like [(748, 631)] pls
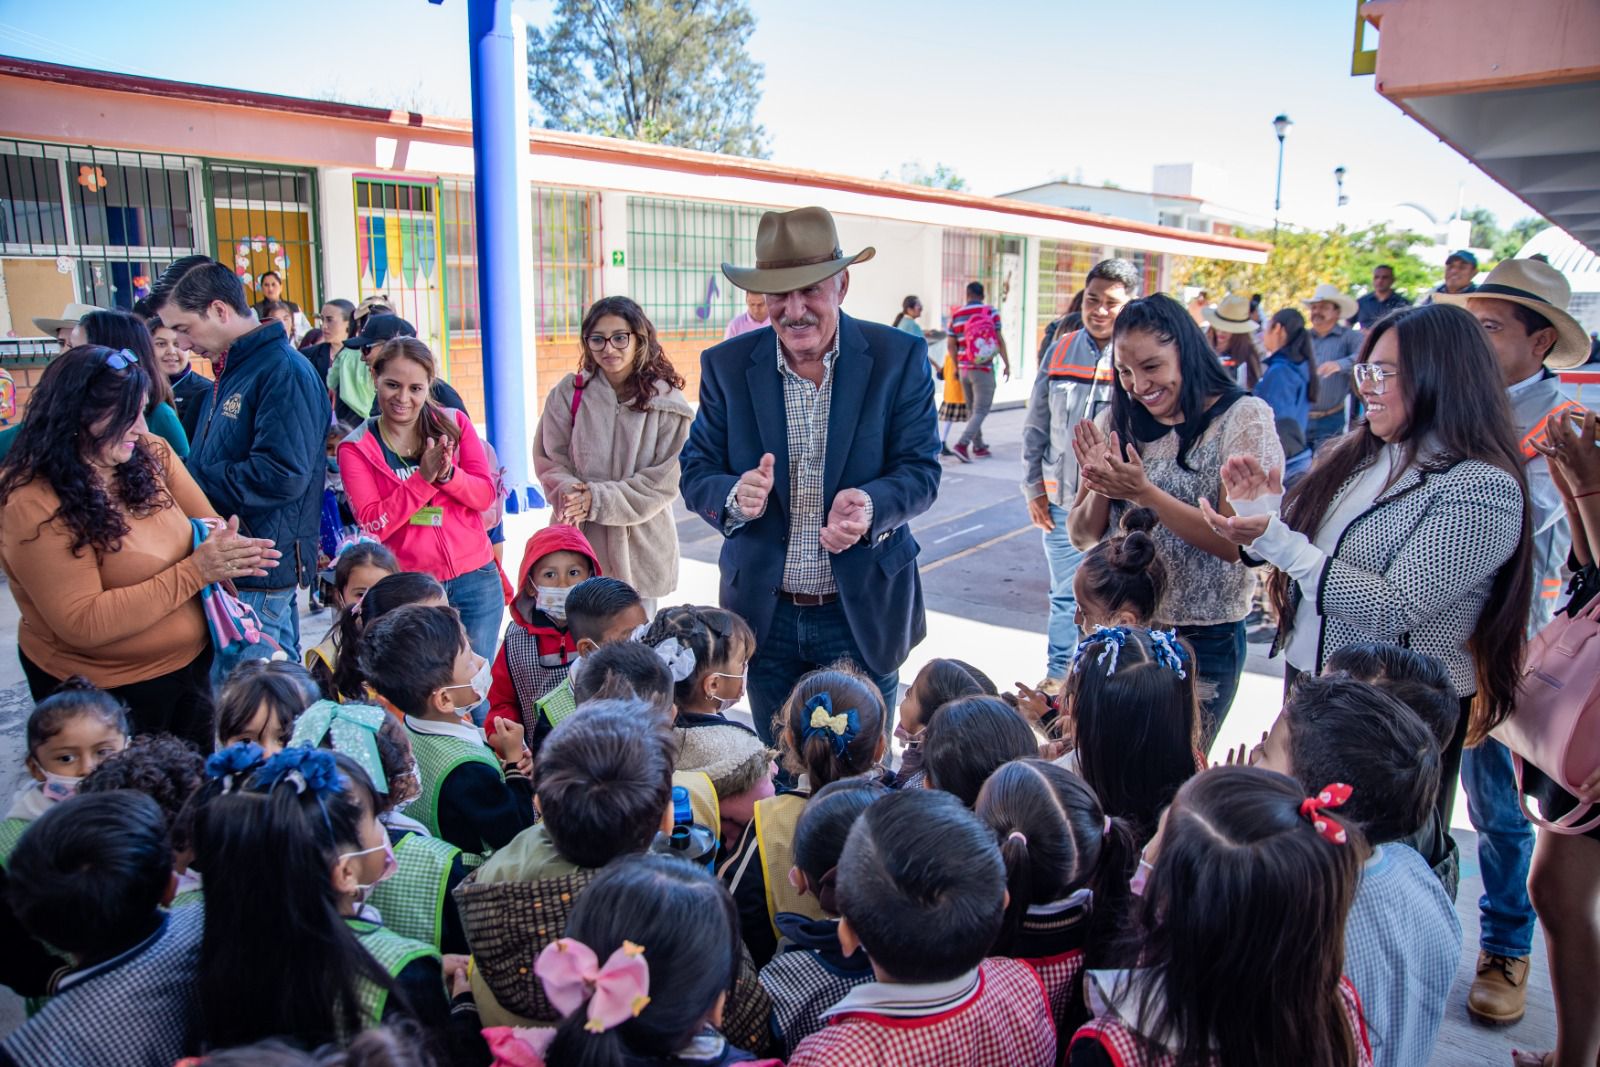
[(1175, 415)]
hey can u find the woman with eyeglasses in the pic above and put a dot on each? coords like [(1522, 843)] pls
[(1411, 529), (96, 541), (607, 448)]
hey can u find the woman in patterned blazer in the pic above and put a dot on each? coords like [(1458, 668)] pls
[(1413, 529)]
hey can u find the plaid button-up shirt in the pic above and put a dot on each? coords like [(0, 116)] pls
[(807, 567)]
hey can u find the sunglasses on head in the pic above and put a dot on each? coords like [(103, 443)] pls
[(121, 360)]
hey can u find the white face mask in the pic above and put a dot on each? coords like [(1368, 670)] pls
[(552, 600), (481, 680), (58, 787), (724, 703)]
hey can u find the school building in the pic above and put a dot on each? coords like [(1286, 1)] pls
[(107, 178)]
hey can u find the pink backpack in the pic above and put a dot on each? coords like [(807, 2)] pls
[(1556, 724), (980, 337)]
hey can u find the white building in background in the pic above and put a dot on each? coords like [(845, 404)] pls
[(1184, 196), (1581, 267)]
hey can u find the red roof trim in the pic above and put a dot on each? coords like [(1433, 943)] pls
[(598, 149)]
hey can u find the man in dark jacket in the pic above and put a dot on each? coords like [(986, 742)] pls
[(259, 450)]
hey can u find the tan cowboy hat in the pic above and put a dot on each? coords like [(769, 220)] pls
[(794, 249), (1333, 294), (1232, 315), (1538, 286), (71, 315)]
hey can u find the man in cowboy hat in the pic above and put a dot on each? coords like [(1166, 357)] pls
[(1522, 307), (1336, 346), (61, 329), (814, 447)]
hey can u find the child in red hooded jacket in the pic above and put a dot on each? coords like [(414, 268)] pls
[(538, 651)]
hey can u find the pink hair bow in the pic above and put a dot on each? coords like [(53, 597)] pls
[(615, 992), (1333, 795)]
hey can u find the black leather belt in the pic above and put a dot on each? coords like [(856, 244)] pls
[(807, 600)]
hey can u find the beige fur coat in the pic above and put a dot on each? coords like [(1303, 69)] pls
[(629, 460)]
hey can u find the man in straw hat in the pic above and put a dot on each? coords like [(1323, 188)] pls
[(814, 447), (1522, 307), (61, 329), (1336, 346)]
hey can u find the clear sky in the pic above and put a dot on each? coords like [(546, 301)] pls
[(1008, 93)]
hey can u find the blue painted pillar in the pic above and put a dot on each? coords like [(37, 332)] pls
[(498, 40)]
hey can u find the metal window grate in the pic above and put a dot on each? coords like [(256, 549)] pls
[(1062, 267), (265, 218), (458, 217), (93, 225), (970, 256), (676, 249), (566, 249), (1148, 264), (399, 255)]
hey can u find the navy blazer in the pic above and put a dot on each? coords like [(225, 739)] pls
[(882, 439)]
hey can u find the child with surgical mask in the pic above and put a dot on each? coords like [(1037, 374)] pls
[(474, 795), (539, 647), (70, 733)]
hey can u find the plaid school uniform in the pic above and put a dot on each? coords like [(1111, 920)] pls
[(135, 1009), (809, 974), (414, 899), (1125, 1046), (1051, 941), (393, 954), (994, 1016)]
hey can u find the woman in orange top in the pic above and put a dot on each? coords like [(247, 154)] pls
[(96, 541)]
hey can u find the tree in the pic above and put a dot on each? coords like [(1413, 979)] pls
[(1520, 233), (1301, 260), (666, 71), (1485, 228), (941, 177)]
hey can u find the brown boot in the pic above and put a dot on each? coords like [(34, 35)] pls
[(1500, 992)]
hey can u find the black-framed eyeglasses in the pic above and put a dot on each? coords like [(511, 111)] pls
[(121, 360), (620, 341)]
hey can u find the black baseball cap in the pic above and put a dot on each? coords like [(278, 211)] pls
[(380, 328)]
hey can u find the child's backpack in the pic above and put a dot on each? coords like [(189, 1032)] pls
[(980, 337)]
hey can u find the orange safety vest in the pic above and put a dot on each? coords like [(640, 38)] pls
[(1538, 436), (1056, 364)]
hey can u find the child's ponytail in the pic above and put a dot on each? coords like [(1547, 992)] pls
[(394, 591), (833, 726), (1125, 572), (1113, 897), (1019, 884)]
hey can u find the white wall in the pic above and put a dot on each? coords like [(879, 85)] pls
[(337, 199)]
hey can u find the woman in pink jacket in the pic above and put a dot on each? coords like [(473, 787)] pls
[(419, 482)]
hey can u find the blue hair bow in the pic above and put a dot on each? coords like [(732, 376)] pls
[(228, 763), (1110, 639), (1165, 649), (353, 730), (839, 729), (303, 768)]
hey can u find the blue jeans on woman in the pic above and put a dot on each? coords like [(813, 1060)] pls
[(1219, 652), (477, 595)]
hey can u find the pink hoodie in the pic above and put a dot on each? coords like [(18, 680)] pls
[(384, 504)]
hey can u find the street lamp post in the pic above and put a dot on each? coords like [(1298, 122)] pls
[(1338, 180), (1280, 126)]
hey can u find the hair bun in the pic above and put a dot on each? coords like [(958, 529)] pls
[(1135, 553), (76, 683), (1140, 520)]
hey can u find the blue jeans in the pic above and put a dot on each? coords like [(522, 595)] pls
[(477, 595), (279, 612), (1062, 559), (1219, 651), (801, 640), (1505, 845)]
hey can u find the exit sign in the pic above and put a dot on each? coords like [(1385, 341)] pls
[(616, 258)]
